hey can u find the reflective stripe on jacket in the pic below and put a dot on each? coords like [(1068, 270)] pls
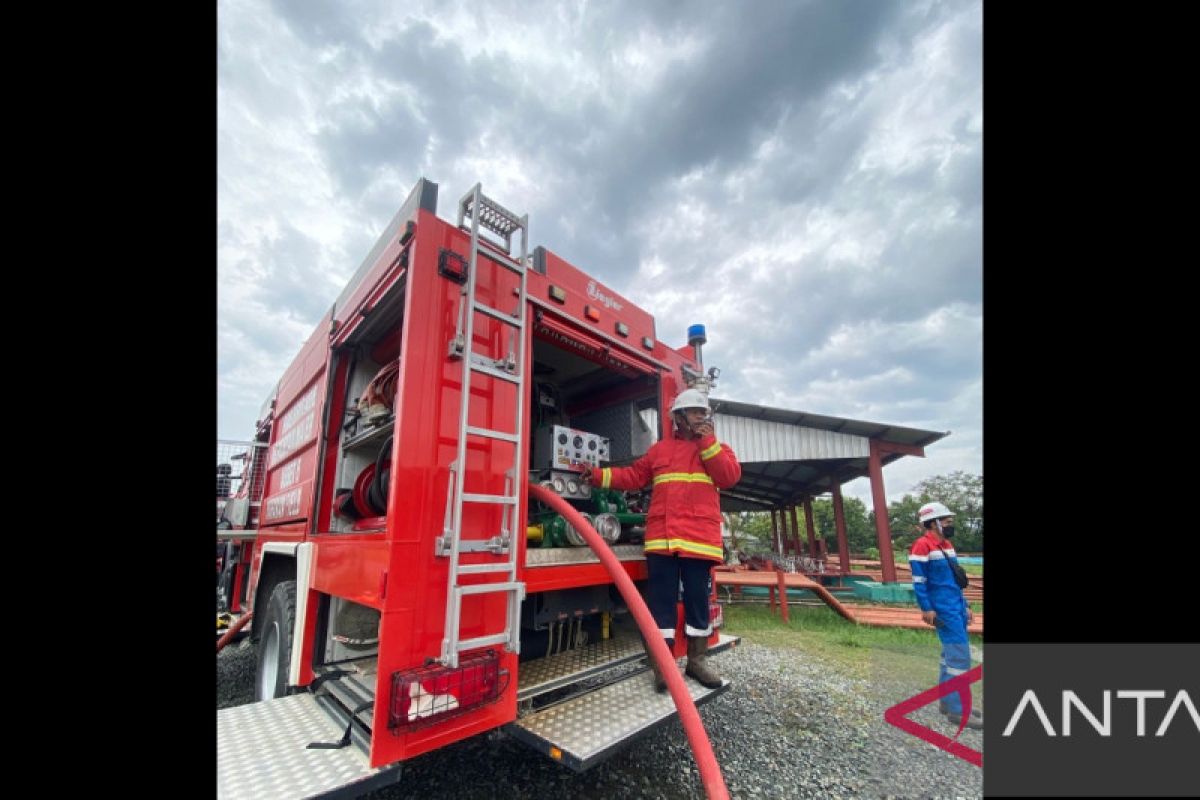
[(685, 507), (933, 580)]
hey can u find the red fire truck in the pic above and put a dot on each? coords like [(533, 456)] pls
[(404, 591)]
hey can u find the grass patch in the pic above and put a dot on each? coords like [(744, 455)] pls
[(900, 654), (972, 569)]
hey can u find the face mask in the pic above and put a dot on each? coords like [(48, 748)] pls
[(948, 531)]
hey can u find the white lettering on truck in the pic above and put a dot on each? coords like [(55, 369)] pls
[(284, 505), (295, 427)]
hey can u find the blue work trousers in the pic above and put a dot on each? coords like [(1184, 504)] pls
[(956, 652)]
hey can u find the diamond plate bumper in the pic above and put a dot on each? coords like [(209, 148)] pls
[(261, 753)]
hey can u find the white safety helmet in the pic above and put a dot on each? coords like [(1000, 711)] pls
[(690, 398), (933, 511)]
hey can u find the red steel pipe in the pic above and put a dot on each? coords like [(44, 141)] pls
[(706, 760)]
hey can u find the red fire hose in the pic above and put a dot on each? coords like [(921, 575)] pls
[(710, 771), (227, 637)]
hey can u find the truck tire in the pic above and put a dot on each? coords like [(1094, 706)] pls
[(275, 642)]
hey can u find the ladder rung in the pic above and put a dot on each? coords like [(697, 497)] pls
[(505, 261), (495, 373), (477, 569), (482, 641), (488, 498), (487, 588), (491, 434), (509, 319)]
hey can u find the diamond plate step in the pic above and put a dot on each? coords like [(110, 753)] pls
[(262, 753), (563, 669), (355, 689), (585, 730)]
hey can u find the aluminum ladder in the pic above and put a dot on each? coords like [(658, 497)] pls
[(483, 211)]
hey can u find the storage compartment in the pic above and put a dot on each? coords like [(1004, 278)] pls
[(576, 392), (585, 411), (369, 364), (365, 443)]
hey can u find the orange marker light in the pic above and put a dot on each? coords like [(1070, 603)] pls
[(591, 313)]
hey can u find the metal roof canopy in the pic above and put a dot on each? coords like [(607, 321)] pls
[(790, 456)]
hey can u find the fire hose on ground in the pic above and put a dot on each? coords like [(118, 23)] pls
[(706, 760), (227, 637)]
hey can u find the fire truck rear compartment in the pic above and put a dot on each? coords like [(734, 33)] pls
[(568, 636), (567, 390)]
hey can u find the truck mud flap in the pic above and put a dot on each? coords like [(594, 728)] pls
[(583, 731), (262, 752)]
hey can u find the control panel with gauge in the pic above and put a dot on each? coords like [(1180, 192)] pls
[(572, 448), (563, 451)]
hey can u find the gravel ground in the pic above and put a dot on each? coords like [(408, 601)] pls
[(791, 726)]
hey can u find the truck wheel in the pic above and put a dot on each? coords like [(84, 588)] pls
[(275, 643)]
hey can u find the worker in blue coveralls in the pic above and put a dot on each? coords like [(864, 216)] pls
[(940, 596)]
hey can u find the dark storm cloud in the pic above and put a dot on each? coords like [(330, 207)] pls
[(442, 101), (753, 70), (320, 23), (756, 67), (357, 142), (294, 282), (933, 270), (964, 182)]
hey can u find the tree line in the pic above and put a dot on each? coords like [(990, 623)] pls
[(962, 492)]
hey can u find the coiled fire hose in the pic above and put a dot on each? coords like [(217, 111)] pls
[(706, 760), (380, 394)]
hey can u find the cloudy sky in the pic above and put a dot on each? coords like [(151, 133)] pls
[(804, 178)]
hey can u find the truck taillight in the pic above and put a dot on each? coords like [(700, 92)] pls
[(425, 695)]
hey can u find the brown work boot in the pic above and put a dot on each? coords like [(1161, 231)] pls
[(660, 683), (697, 662)]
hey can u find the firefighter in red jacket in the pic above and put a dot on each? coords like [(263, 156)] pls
[(683, 524)]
